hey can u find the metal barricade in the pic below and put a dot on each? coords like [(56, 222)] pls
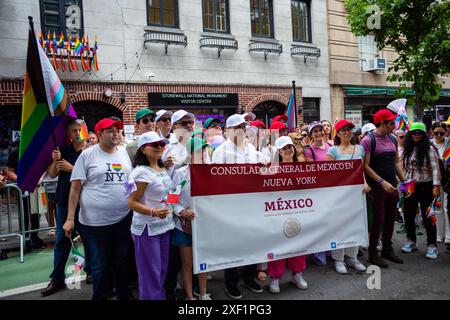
[(21, 234)]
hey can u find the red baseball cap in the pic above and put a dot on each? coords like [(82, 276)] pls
[(280, 117), (383, 115), (108, 123), (343, 123), (259, 124), (277, 125)]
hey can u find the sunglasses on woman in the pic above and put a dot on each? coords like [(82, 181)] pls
[(416, 133), (147, 120), (185, 123), (439, 133), (164, 119), (156, 144)]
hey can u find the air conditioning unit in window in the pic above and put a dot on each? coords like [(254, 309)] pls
[(376, 64)]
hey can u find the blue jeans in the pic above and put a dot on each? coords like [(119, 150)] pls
[(63, 247), (110, 250)]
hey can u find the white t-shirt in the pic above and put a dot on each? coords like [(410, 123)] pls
[(229, 153), (158, 186), (185, 201), (178, 151), (102, 201)]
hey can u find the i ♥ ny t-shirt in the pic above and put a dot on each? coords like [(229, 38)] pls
[(102, 201)]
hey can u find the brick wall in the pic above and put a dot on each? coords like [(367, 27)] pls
[(11, 92)]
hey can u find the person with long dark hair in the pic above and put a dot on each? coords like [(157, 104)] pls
[(420, 162), (328, 129), (150, 184)]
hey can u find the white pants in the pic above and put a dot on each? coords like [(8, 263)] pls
[(442, 223), (339, 254)]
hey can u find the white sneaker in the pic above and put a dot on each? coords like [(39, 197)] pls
[(299, 281), (356, 264), (432, 252), (205, 297), (340, 267), (274, 286), (439, 240)]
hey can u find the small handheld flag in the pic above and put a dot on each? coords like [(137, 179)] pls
[(446, 157), (77, 258), (434, 207), (408, 186), (84, 132)]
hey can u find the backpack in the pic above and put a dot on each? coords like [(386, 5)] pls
[(373, 142)]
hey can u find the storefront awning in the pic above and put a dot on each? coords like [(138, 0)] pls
[(364, 91)]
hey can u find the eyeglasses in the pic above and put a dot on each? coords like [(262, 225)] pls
[(156, 144), (215, 125), (304, 135), (146, 120), (185, 123), (164, 119), (401, 137), (439, 133), (416, 133)]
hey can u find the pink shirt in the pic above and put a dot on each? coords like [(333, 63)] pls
[(319, 153)]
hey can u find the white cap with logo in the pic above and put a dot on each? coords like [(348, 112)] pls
[(281, 142)]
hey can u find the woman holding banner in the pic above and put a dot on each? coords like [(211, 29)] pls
[(275, 269), (182, 235), (345, 148), (317, 151), (148, 185)]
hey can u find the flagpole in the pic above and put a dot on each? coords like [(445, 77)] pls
[(33, 39), (295, 104)]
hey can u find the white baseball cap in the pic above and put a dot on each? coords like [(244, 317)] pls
[(252, 129), (235, 120), (163, 112), (250, 114), (150, 137), (367, 128), (281, 142), (180, 114)]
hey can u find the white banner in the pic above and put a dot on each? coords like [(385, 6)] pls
[(235, 229)]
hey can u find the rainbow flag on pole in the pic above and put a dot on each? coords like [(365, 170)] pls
[(446, 157), (291, 113), (46, 109), (84, 132)]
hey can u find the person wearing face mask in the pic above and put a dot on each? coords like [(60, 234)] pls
[(441, 143), (145, 122), (345, 148), (382, 167), (420, 162)]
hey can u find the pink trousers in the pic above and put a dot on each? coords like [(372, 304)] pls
[(275, 269)]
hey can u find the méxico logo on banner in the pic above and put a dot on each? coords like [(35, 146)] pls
[(248, 214)]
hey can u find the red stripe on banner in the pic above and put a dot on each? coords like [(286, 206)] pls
[(220, 179)]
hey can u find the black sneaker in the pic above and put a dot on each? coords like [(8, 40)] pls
[(233, 292), (253, 285)]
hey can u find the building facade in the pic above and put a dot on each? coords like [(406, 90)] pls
[(212, 57), (358, 72)]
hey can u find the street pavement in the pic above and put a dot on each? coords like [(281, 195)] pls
[(418, 278)]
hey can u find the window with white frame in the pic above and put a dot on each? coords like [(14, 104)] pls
[(367, 48)]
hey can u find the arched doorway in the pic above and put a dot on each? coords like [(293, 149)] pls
[(266, 110), (93, 111)]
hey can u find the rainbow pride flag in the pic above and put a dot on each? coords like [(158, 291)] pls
[(46, 109), (408, 186), (291, 114), (434, 207), (446, 157), (84, 134)]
